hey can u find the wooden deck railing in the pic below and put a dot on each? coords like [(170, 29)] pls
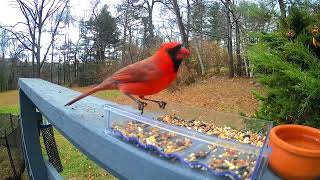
[(84, 127)]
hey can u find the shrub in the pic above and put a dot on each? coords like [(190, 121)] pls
[(290, 72)]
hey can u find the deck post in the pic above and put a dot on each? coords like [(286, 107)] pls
[(29, 125)]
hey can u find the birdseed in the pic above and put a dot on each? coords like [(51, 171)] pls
[(213, 156)]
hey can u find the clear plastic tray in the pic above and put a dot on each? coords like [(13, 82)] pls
[(214, 154)]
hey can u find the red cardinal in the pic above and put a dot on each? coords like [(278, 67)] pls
[(145, 77)]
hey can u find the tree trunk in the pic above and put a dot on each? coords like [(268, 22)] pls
[(145, 38), (51, 65), (282, 8), (182, 30), (38, 61), (125, 27), (150, 26), (59, 72), (33, 65), (38, 55), (185, 41), (130, 44), (33, 47), (69, 73), (38, 46), (188, 17), (251, 70), (69, 62), (239, 62), (77, 70), (64, 68), (75, 66), (230, 51), (199, 58), (246, 67)]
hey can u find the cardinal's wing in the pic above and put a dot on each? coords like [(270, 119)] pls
[(141, 71)]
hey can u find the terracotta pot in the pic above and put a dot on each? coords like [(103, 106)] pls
[(295, 152)]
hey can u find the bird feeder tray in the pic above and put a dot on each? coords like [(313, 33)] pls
[(212, 143)]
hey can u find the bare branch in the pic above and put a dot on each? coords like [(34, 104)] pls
[(53, 8), (54, 33), (22, 8), (27, 11), (167, 4), (17, 35), (230, 10), (45, 5)]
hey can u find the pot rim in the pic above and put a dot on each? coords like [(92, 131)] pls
[(289, 147)]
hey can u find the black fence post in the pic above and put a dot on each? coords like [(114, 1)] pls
[(9, 155)]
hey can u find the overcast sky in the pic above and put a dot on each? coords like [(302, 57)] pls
[(10, 15)]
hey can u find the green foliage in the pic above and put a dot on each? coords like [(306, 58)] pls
[(75, 164), (13, 109), (90, 73), (299, 20), (256, 16), (290, 72), (216, 21), (105, 31)]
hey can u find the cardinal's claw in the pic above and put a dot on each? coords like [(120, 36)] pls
[(142, 105), (162, 104)]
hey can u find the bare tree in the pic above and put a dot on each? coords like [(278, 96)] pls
[(4, 42), (182, 29), (37, 14), (127, 18), (184, 37), (233, 17), (188, 18), (238, 55), (198, 22), (199, 57), (125, 29), (148, 7), (229, 14)]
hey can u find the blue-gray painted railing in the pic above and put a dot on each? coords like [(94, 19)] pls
[(84, 127)]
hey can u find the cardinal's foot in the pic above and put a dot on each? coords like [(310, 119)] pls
[(162, 104), (141, 106)]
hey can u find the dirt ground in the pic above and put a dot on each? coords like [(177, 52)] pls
[(217, 93), (9, 98)]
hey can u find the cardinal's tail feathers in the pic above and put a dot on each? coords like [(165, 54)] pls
[(102, 86)]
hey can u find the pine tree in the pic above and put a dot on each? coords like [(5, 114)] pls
[(287, 65)]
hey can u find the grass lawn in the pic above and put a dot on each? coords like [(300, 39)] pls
[(110, 95), (75, 164), (13, 109)]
